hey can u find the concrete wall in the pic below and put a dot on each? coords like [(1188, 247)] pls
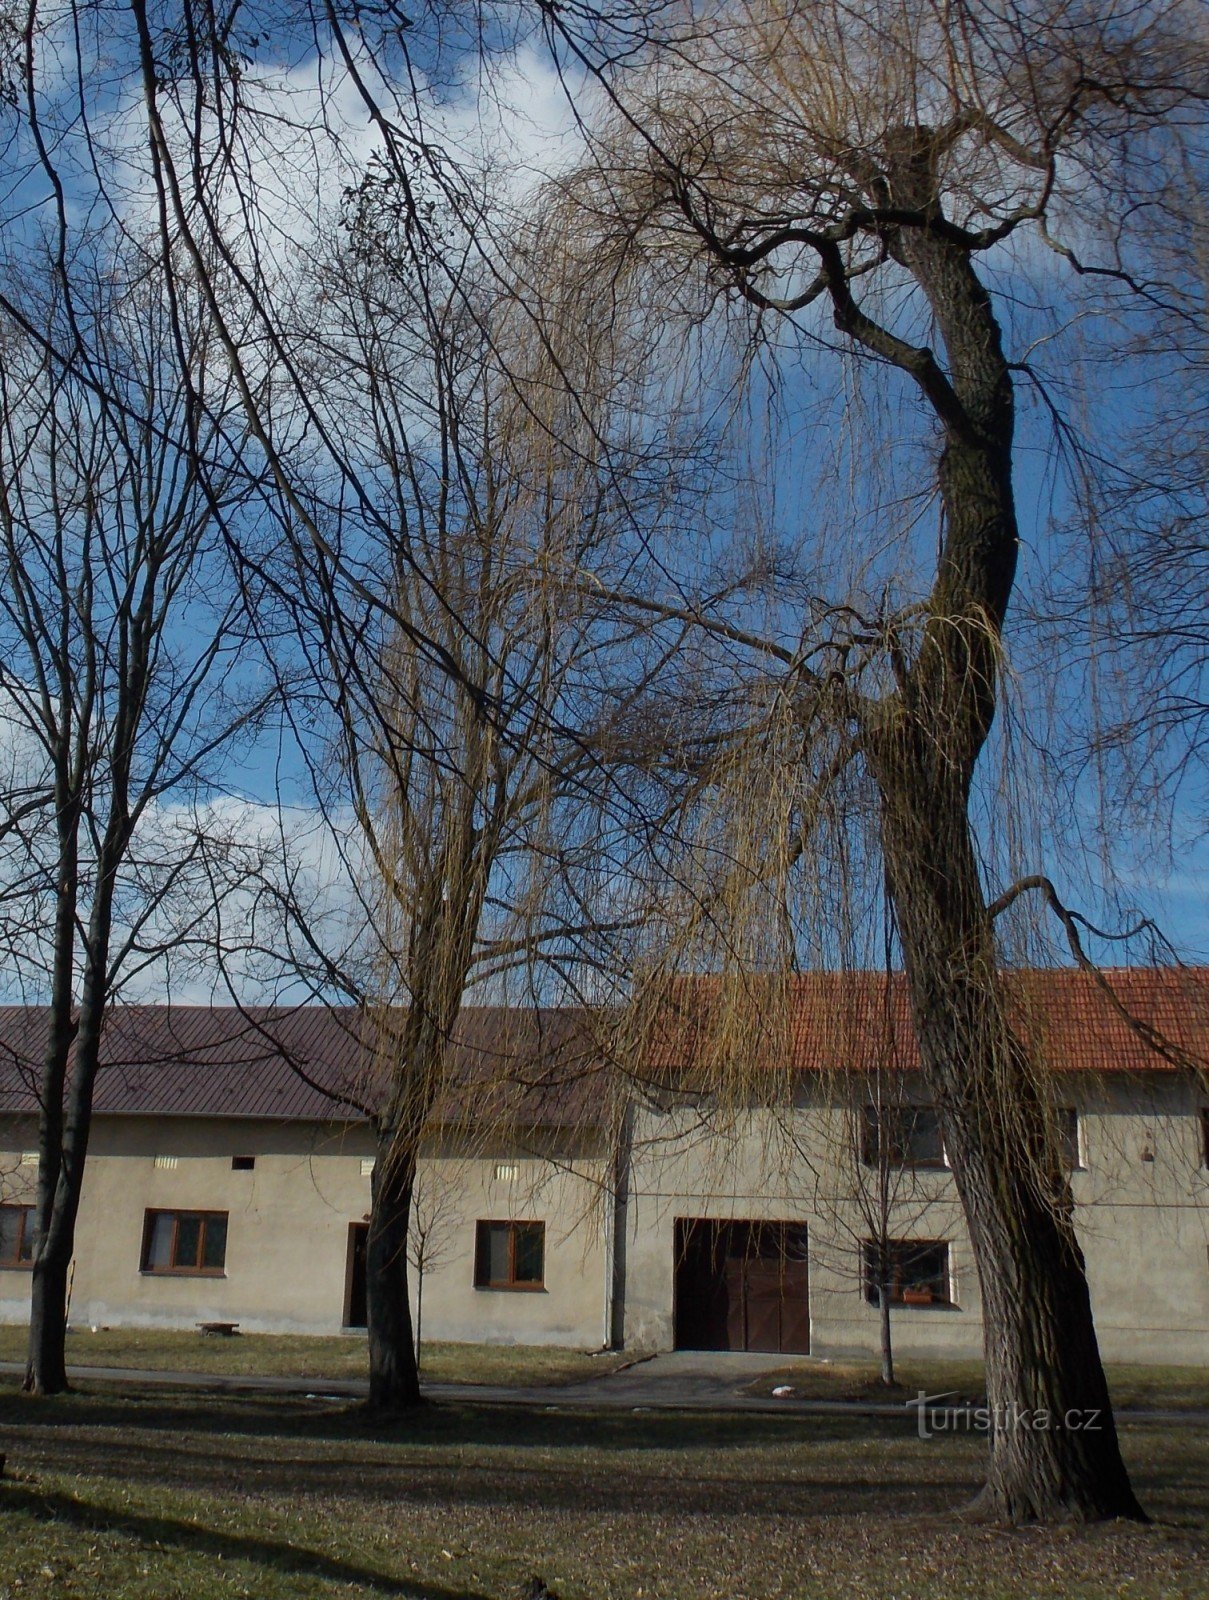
[(287, 1257), (1142, 1195)]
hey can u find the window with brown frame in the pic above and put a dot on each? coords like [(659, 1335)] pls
[(16, 1236), (509, 1255), (916, 1272), (185, 1242)]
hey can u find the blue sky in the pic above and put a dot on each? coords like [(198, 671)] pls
[(525, 110)]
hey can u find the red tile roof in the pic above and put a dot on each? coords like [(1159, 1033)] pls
[(861, 1021)]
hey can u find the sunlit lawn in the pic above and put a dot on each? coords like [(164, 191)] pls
[(303, 1356), (199, 1497), (1158, 1388)]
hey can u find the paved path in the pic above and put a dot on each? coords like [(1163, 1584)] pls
[(677, 1381)]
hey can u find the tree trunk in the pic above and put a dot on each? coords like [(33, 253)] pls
[(46, 1361), (394, 1377), (419, 1315), (1054, 1452), (46, 1369), (883, 1307)]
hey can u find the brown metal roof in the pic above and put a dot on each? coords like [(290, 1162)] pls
[(310, 1063)]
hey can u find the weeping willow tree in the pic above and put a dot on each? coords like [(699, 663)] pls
[(864, 194)]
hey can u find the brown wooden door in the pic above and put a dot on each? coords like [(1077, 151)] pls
[(703, 1296), (795, 1290), (355, 1310), (741, 1286)]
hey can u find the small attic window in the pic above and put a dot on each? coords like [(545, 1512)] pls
[(242, 1163)]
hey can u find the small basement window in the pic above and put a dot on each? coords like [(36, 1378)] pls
[(16, 1236), (916, 1272), (509, 1255), (242, 1163), (185, 1242)]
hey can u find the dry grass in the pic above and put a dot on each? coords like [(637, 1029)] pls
[(302, 1356), (272, 1498), (1158, 1388)]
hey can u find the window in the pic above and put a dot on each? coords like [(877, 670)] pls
[(902, 1136), (16, 1236), (917, 1272), (509, 1255), (1067, 1120), (242, 1163), (185, 1241)]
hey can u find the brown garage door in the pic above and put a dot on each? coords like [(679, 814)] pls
[(741, 1286)]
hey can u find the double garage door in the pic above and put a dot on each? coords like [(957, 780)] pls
[(741, 1286)]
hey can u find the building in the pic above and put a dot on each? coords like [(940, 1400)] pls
[(562, 1201)]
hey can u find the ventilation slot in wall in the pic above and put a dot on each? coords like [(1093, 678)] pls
[(167, 1163), (367, 1166), (506, 1172)]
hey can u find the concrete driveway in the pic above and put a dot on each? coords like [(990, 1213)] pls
[(709, 1379)]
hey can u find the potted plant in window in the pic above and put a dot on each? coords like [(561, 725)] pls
[(917, 1294)]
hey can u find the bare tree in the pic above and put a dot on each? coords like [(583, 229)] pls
[(436, 1221), (883, 1139), (121, 633), (854, 175), (455, 737)]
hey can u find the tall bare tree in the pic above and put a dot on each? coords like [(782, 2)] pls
[(121, 630), (456, 735)]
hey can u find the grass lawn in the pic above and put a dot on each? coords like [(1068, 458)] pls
[(302, 1356), (194, 1498), (1166, 1388)]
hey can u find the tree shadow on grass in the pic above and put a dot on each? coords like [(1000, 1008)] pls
[(448, 1423), (454, 1470), (68, 1512)]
